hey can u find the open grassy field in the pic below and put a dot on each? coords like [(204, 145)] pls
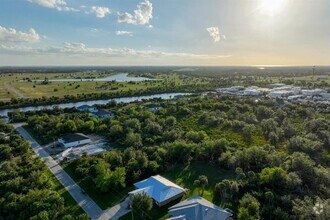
[(12, 85)]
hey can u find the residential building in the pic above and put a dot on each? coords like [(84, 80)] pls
[(101, 114), (161, 190), (197, 208), (154, 107), (74, 140), (86, 108)]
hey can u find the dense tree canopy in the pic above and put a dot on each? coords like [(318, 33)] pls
[(278, 154)]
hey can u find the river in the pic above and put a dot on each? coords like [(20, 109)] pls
[(121, 77), (165, 96)]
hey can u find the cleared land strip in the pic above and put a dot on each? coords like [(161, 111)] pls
[(14, 90)]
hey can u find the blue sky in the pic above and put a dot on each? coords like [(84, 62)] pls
[(158, 32)]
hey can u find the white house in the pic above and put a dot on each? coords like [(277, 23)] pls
[(197, 208), (160, 189), (74, 140)]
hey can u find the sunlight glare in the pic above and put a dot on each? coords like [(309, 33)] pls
[(271, 7)]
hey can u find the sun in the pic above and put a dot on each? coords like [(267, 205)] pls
[(271, 7)]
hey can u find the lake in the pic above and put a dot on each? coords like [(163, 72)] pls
[(121, 77)]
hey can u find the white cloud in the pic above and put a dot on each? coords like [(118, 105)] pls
[(49, 3), (80, 49), (122, 33), (95, 30), (12, 35), (100, 12), (141, 16), (60, 5), (214, 33)]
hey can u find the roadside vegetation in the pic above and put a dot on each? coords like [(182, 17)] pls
[(28, 190)]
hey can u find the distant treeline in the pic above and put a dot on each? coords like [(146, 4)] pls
[(215, 71)]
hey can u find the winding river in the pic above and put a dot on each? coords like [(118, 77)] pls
[(165, 96)]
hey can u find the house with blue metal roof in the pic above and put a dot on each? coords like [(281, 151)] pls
[(161, 190), (198, 208)]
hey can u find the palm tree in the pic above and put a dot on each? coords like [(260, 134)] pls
[(202, 182)]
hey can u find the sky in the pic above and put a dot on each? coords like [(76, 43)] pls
[(164, 32)]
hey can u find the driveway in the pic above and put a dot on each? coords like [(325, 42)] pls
[(116, 211), (83, 200)]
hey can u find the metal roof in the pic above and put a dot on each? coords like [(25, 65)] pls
[(158, 188), (102, 112), (74, 137), (198, 208)]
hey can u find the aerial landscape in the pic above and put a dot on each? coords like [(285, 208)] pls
[(171, 110)]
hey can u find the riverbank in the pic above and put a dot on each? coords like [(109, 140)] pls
[(65, 105), (27, 102)]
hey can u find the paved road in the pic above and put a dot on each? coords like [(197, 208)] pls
[(86, 203), (14, 90)]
